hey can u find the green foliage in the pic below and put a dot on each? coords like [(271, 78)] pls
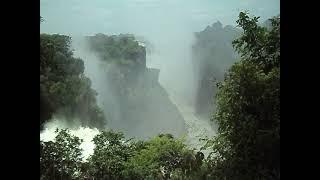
[(248, 108), (61, 158), (163, 158), (110, 154), (122, 49), (64, 89), (257, 44), (114, 157)]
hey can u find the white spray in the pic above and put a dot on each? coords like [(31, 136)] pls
[(84, 133)]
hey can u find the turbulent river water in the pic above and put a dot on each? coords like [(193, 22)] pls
[(197, 128)]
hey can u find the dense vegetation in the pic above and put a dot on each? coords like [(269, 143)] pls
[(64, 89), (248, 102), (247, 146), (122, 49), (115, 157)]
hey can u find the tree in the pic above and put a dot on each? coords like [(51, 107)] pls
[(61, 158), (257, 44), (248, 107), (110, 154), (64, 89), (164, 157)]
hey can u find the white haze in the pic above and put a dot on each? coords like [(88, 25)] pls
[(167, 24)]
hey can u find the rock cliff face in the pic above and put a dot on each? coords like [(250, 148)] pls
[(212, 55), (134, 101)]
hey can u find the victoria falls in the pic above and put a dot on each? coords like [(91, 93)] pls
[(149, 89)]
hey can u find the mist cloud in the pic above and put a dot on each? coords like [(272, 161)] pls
[(137, 16), (167, 24)]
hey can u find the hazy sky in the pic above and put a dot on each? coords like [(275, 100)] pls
[(167, 24), (138, 16)]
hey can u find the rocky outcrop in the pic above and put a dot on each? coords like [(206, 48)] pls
[(135, 102), (212, 55)]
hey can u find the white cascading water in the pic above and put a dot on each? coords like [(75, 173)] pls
[(176, 77), (196, 128)]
